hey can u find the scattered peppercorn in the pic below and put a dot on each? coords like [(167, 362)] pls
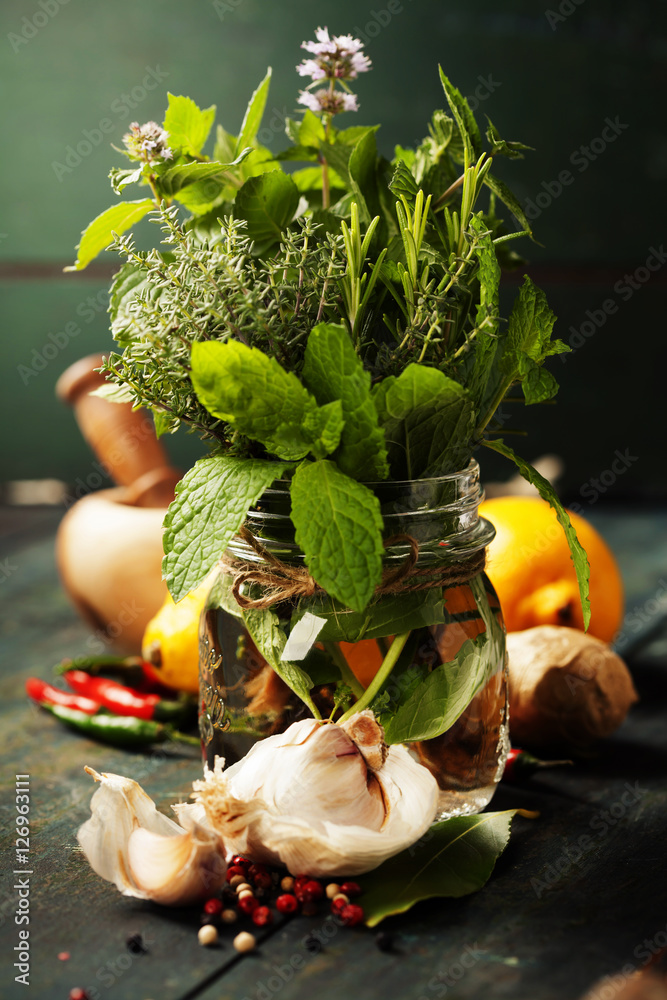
[(248, 904), (351, 889), (308, 892), (135, 944), (76, 993), (332, 890), (262, 880), (287, 883), (244, 942), (213, 906), (235, 870), (287, 904), (384, 941), (338, 902), (239, 861), (207, 935), (262, 916), (351, 915), (312, 944), (229, 916), (64, 956)]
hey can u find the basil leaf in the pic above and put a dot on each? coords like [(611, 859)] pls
[(332, 370), (99, 234), (210, 506), (427, 419), (392, 614), (266, 633), (452, 859), (339, 528), (546, 491), (251, 391), (188, 126)]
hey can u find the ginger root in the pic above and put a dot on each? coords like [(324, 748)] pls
[(566, 688)]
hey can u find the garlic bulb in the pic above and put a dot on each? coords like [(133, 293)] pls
[(145, 854), (320, 798)]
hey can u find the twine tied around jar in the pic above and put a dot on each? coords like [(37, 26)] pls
[(282, 581)]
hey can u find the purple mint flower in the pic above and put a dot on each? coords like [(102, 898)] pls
[(333, 103), (148, 142), (337, 58)]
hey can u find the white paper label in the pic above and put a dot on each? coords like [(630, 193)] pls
[(302, 637)]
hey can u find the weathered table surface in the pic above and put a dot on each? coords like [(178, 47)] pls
[(579, 893)]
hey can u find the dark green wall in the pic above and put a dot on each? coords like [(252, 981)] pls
[(552, 83)]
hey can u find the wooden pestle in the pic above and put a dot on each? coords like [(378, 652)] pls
[(123, 439)]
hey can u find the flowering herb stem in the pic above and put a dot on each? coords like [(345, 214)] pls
[(380, 678)]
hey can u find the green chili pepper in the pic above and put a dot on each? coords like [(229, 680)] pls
[(119, 730)]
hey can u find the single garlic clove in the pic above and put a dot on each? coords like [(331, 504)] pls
[(144, 853)]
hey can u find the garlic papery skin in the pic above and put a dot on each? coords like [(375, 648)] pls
[(146, 854), (316, 801)]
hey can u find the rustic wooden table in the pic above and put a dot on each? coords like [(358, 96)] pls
[(578, 894)]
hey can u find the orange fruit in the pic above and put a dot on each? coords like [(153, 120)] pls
[(529, 564)]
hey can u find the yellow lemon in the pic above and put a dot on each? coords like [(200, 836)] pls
[(530, 567), (171, 640)]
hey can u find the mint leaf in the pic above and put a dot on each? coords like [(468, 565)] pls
[(488, 312), (210, 506), (427, 420), (528, 342), (402, 182), (339, 528), (546, 491), (445, 693), (392, 614), (188, 126), (266, 633), (99, 234), (452, 859), (499, 147), (332, 370), (311, 130), (182, 175), (464, 118), (502, 191), (250, 390), (253, 115), (267, 203)]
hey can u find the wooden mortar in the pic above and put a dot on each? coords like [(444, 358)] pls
[(109, 544)]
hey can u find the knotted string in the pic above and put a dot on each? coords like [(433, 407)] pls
[(281, 581)]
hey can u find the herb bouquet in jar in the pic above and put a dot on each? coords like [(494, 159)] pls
[(333, 333)]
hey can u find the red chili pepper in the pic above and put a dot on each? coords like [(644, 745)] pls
[(521, 764), (47, 694), (123, 700), (133, 671)]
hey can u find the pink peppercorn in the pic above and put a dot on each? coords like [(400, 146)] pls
[(351, 915), (235, 870), (350, 889), (248, 904), (213, 906), (262, 880), (287, 904), (262, 916), (308, 892)]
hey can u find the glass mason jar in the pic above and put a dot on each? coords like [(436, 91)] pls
[(243, 699)]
